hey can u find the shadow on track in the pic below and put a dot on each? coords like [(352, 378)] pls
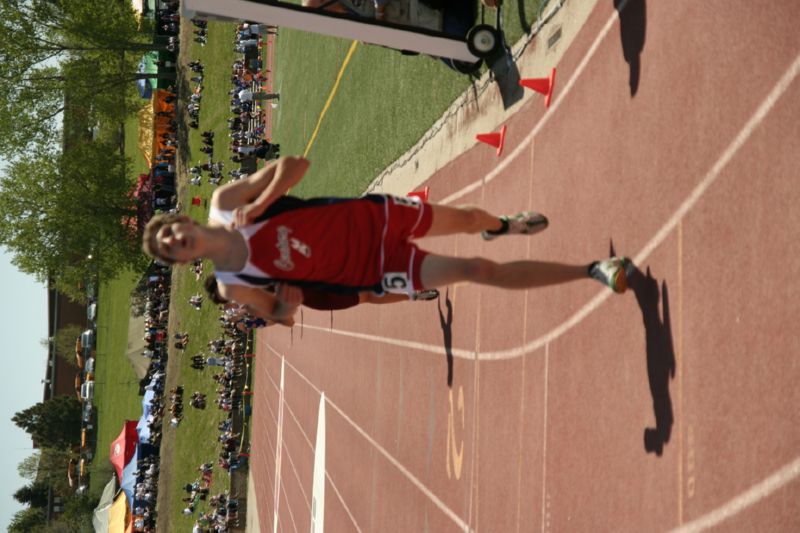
[(632, 28), (660, 354), (447, 333)]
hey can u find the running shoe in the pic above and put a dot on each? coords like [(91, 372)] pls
[(424, 295), (525, 223), (612, 273)]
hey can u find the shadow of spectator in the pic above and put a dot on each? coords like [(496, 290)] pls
[(506, 75), (660, 354), (632, 28), (447, 333)]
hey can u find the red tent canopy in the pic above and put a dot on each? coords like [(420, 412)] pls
[(142, 193), (123, 447)]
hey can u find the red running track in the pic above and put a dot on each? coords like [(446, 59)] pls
[(675, 405)]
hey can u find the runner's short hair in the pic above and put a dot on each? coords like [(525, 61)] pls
[(210, 284)]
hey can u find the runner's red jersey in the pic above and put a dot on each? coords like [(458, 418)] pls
[(328, 240), (334, 244)]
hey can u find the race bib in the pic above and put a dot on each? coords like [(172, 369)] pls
[(408, 201), (396, 282)]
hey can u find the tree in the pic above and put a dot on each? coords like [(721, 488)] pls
[(56, 210), (28, 467), (34, 494), (49, 47), (64, 343), (48, 466), (77, 517), (54, 423), (27, 519)]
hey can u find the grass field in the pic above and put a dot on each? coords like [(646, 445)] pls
[(116, 386), (116, 389), (384, 103)]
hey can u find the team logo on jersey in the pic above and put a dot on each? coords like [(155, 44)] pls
[(285, 245)]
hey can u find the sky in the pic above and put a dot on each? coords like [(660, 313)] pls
[(23, 324)]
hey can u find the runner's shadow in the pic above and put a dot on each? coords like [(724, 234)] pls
[(632, 28), (660, 354), (447, 333)]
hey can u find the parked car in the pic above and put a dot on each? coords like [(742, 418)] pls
[(87, 390), (91, 312), (83, 470), (88, 339), (71, 465), (87, 411), (88, 369)]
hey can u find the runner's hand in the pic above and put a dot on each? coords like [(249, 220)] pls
[(289, 322), (242, 216), (291, 296)]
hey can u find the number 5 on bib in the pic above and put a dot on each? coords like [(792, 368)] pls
[(395, 282)]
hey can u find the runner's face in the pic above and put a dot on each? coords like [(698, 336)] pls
[(178, 241)]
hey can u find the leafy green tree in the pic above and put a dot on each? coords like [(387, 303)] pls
[(48, 47), (77, 517), (48, 466), (63, 525), (28, 467), (54, 423), (34, 494), (65, 343), (56, 211), (27, 519)]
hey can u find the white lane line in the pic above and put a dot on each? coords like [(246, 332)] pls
[(711, 176), (545, 386), (411, 345), (422, 488), (416, 482), (327, 476), (318, 481), (300, 427), (753, 495), (305, 436), (546, 118), (289, 507), (297, 477), (278, 448), (341, 500)]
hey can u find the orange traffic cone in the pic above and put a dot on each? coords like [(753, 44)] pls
[(421, 194), (496, 139), (542, 85)]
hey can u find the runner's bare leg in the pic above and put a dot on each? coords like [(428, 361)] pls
[(438, 271), (448, 220)]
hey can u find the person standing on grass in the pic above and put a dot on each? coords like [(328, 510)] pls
[(247, 95), (347, 244)]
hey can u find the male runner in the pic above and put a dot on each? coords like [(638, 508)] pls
[(346, 244)]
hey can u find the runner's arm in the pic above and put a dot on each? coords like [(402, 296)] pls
[(249, 197), (259, 302)]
